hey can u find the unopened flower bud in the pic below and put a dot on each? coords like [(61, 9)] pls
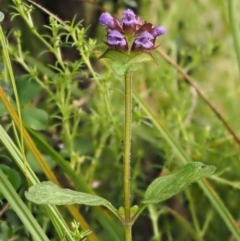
[(157, 31)]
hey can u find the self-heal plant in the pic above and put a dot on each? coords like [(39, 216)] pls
[(130, 41)]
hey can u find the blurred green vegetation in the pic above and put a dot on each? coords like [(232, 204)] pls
[(86, 127)]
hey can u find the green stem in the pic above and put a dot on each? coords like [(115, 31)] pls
[(127, 155), (128, 232), (154, 216)]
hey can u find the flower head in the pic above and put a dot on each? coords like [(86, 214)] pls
[(129, 18), (131, 32), (145, 40), (115, 38)]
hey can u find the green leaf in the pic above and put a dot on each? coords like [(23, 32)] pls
[(115, 55), (1, 17), (133, 210), (27, 89), (165, 187), (133, 67), (137, 60), (121, 212), (50, 194), (141, 58), (12, 175), (131, 3), (35, 165), (35, 118), (119, 67), (124, 63)]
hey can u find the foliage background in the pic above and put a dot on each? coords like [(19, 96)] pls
[(199, 39)]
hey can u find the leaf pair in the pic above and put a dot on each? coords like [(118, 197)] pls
[(124, 63), (159, 190)]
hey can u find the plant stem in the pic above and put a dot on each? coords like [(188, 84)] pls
[(127, 155), (128, 232)]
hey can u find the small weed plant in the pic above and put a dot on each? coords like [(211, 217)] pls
[(89, 135)]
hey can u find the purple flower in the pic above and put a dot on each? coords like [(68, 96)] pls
[(131, 33), (106, 19), (129, 18), (157, 31), (145, 40), (115, 38)]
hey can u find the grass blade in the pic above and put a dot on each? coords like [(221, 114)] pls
[(21, 209)]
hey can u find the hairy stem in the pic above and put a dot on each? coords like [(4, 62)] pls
[(128, 233), (127, 155)]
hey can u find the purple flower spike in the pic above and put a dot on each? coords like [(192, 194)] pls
[(157, 31), (131, 33), (115, 38), (145, 40), (106, 19), (129, 18)]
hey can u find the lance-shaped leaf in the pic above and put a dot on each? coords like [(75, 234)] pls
[(50, 194), (165, 187)]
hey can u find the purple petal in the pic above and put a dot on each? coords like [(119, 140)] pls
[(115, 38), (159, 30), (129, 18), (105, 19), (144, 40), (146, 35)]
